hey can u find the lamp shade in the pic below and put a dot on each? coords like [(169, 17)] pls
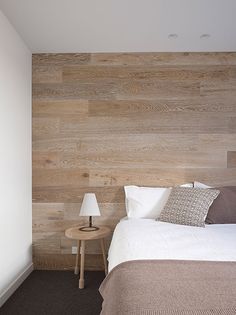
[(89, 206)]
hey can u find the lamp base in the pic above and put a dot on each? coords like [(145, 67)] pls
[(89, 228)]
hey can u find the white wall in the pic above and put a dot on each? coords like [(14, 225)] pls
[(15, 158)]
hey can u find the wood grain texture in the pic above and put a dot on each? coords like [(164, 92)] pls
[(102, 121), (164, 73), (60, 59), (123, 108), (75, 234), (61, 107), (47, 74), (161, 123), (169, 59), (162, 177)]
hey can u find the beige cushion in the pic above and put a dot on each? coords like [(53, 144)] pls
[(188, 206)]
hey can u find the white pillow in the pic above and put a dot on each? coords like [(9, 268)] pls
[(187, 185), (145, 202), (201, 185)]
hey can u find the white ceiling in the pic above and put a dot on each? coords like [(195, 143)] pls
[(123, 25)]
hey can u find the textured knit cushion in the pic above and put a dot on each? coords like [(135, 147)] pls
[(223, 209), (188, 206)]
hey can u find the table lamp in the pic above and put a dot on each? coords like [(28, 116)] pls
[(89, 208)]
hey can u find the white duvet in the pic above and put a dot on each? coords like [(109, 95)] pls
[(149, 239)]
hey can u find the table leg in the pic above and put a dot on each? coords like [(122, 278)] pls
[(77, 258), (104, 255), (81, 276)]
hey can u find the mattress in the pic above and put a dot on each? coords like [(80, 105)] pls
[(140, 239)]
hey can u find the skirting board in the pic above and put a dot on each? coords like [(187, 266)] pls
[(15, 284)]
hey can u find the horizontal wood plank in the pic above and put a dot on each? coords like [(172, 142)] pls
[(59, 108), (186, 58), (45, 127), (60, 59), (143, 159), (162, 123), (75, 194), (59, 177), (47, 74), (51, 145), (143, 72), (163, 177), (114, 108)]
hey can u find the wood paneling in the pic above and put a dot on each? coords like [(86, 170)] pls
[(61, 107), (123, 108), (108, 194), (102, 121), (169, 59), (60, 59)]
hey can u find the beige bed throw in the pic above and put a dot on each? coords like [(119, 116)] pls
[(170, 287)]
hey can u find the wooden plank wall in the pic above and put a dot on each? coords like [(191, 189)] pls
[(101, 121)]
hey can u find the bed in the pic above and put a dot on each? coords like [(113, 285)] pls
[(170, 269), (138, 239)]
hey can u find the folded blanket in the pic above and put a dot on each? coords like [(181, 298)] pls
[(170, 287)]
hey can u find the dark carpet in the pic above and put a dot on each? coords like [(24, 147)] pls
[(56, 293)]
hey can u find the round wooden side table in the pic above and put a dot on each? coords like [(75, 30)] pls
[(81, 237)]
